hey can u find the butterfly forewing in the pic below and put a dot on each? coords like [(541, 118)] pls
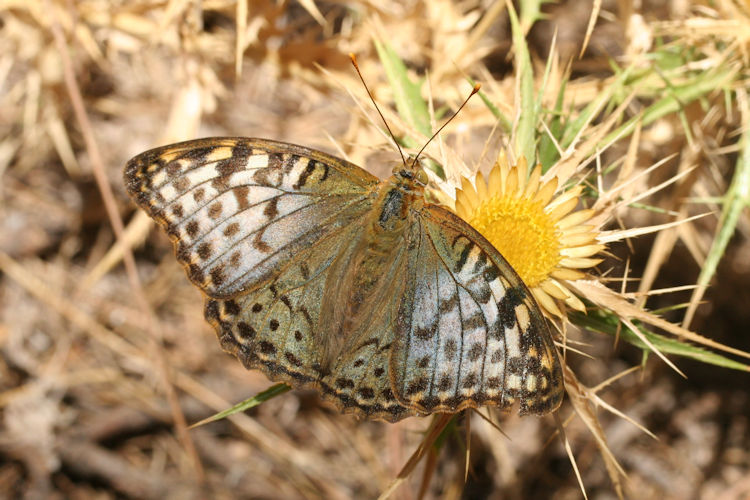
[(469, 333), (237, 209)]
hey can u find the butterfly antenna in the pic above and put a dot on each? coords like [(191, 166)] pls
[(356, 66), (473, 91)]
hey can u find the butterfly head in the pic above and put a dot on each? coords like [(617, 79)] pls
[(411, 172)]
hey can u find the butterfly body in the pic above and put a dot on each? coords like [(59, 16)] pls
[(322, 276)]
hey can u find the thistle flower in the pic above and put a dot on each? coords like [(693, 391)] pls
[(536, 228)]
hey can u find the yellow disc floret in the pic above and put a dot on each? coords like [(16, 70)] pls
[(523, 233)]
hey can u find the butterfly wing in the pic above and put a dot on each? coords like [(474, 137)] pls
[(274, 329), (258, 226), (278, 329), (238, 209), (468, 332)]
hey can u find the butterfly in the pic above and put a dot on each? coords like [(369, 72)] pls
[(322, 276)]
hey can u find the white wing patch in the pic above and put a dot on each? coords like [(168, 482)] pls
[(237, 209)]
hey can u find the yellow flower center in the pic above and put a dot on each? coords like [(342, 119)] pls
[(522, 232)]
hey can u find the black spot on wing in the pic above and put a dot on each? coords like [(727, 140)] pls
[(491, 272), (344, 383), (192, 228), (497, 356), (271, 209), (198, 154), (493, 382), (512, 298), (306, 173), (235, 163), (480, 263), (475, 351), (366, 393), (446, 382), (195, 273), (231, 308), (217, 275), (211, 311), (470, 381), (449, 304), (228, 166), (241, 195), (178, 211), (204, 250), (266, 347), (287, 302), (214, 211), (173, 168), (464, 255), (425, 332), (450, 348), (417, 386), (292, 359), (246, 331), (474, 322)]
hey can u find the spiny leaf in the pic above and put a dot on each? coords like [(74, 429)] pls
[(505, 123), (525, 133), (604, 322), (407, 94), (735, 200), (700, 85), (408, 97)]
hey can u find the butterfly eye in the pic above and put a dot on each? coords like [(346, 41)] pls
[(422, 177)]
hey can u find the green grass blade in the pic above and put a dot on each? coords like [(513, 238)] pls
[(271, 392), (605, 322), (531, 12), (548, 153)]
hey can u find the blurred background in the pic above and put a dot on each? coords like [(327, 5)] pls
[(98, 376)]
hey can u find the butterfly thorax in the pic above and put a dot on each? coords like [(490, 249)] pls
[(396, 195), (363, 284)]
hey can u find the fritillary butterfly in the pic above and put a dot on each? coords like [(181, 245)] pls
[(322, 276)]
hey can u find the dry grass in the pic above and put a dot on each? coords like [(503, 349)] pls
[(104, 354)]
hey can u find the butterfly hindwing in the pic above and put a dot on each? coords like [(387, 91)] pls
[(275, 329), (237, 209), (469, 332)]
